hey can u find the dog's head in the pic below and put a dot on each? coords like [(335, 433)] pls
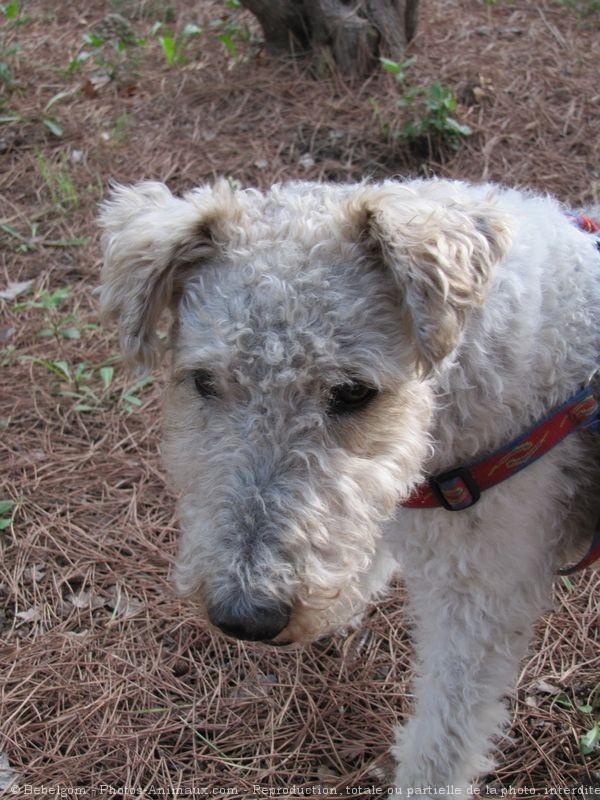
[(307, 323)]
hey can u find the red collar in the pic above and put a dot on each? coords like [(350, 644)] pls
[(461, 488), (584, 223)]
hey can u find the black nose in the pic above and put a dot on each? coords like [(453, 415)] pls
[(253, 623)]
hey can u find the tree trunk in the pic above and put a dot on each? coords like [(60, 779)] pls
[(352, 34)]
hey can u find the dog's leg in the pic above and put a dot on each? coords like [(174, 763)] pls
[(477, 580)]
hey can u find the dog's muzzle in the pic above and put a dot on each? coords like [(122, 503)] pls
[(259, 623)]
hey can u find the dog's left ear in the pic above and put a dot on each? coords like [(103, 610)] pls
[(152, 240), (440, 246)]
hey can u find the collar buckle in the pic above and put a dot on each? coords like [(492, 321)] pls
[(455, 490)]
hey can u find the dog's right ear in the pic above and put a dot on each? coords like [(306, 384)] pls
[(152, 241)]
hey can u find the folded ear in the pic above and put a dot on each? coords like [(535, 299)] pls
[(441, 245), (152, 240)]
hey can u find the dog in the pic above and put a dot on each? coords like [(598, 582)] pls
[(332, 348)]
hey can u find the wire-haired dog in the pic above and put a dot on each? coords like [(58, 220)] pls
[(333, 345)]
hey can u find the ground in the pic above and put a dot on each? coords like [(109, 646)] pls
[(108, 679)]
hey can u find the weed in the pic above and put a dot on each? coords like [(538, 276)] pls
[(58, 97), (53, 126), (9, 82), (432, 107), (565, 702), (590, 740), (174, 46), (6, 513), (58, 182), (149, 9), (106, 375), (234, 184), (74, 382), (48, 301), (431, 125), (90, 386), (120, 123), (583, 8), (11, 116), (62, 328), (7, 51), (77, 61), (397, 68), (57, 324), (232, 31), (9, 356), (129, 396), (113, 49), (381, 118), (27, 244), (12, 13), (23, 244)]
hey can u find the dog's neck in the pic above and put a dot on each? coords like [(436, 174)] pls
[(497, 383)]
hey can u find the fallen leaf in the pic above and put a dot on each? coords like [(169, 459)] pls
[(123, 606), (85, 600), (255, 686), (531, 701), (8, 776), (36, 572), (14, 289), (546, 688), (88, 90), (31, 615)]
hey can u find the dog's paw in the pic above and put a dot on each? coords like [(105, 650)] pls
[(407, 783)]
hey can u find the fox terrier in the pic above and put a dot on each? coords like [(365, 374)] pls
[(347, 361)]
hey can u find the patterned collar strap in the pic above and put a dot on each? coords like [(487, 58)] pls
[(593, 554), (461, 488), (584, 223)]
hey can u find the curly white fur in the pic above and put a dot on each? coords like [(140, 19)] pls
[(472, 311)]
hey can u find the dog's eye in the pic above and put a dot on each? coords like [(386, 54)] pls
[(350, 397), (204, 383)]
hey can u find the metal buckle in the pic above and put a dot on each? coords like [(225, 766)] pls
[(463, 482)]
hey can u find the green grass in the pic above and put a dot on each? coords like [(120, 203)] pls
[(589, 742), (233, 32), (149, 9), (90, 387), (7, 51), (29, 243), (175, 46), (6, 513), (583, 8), (57, 181), (57, 323), (117, 55), (430, 110)]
